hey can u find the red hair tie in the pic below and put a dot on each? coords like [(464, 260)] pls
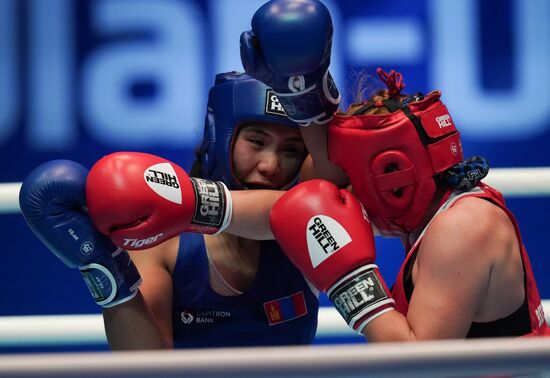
[(393, 80)]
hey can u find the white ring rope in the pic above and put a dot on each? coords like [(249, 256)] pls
[(9, 197), (520, 182), (55, 330), (526, 357), (512, 182)]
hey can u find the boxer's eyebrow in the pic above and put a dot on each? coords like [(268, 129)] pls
[(262, 131), (255, 129)]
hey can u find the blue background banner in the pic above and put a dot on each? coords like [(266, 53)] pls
[(81, 79)]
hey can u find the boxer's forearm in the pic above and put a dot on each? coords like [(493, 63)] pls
[(251, 210), (317, 165), (132, 326)]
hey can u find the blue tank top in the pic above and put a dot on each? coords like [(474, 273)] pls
[(278, 309)]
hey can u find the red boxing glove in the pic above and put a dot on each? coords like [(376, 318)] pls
[(141, 200), (325, 233)]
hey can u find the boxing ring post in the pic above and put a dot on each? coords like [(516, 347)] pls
[(459, 358)]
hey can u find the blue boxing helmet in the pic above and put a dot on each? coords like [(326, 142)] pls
[(234, 99)]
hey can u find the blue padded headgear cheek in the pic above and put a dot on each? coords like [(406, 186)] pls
[(207, 150), (215, 148), (234, 99)]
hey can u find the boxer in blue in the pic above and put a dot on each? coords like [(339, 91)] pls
[(192, 290)]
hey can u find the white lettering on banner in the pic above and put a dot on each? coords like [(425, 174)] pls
[(165, 45), (51, 117), (455, 65), (9, 91), (375, 40), (172, 60)]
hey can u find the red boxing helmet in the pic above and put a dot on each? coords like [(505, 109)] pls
[(392, 159)]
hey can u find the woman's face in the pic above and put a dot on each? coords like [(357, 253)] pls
[(267, 156)]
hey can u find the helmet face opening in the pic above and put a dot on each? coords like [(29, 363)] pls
[(235, 99)]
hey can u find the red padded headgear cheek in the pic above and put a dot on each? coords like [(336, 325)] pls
[(420, 204), (347, 147), (394, 176)]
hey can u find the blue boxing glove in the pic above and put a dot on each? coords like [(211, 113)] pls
[(288, 49), (53, 202)]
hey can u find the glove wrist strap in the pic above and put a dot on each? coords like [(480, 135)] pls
[(213, 206), (112, 280), (361, 296), (314, 104)]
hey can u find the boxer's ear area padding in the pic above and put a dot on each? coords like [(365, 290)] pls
[(393, 167), (395, 178)]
